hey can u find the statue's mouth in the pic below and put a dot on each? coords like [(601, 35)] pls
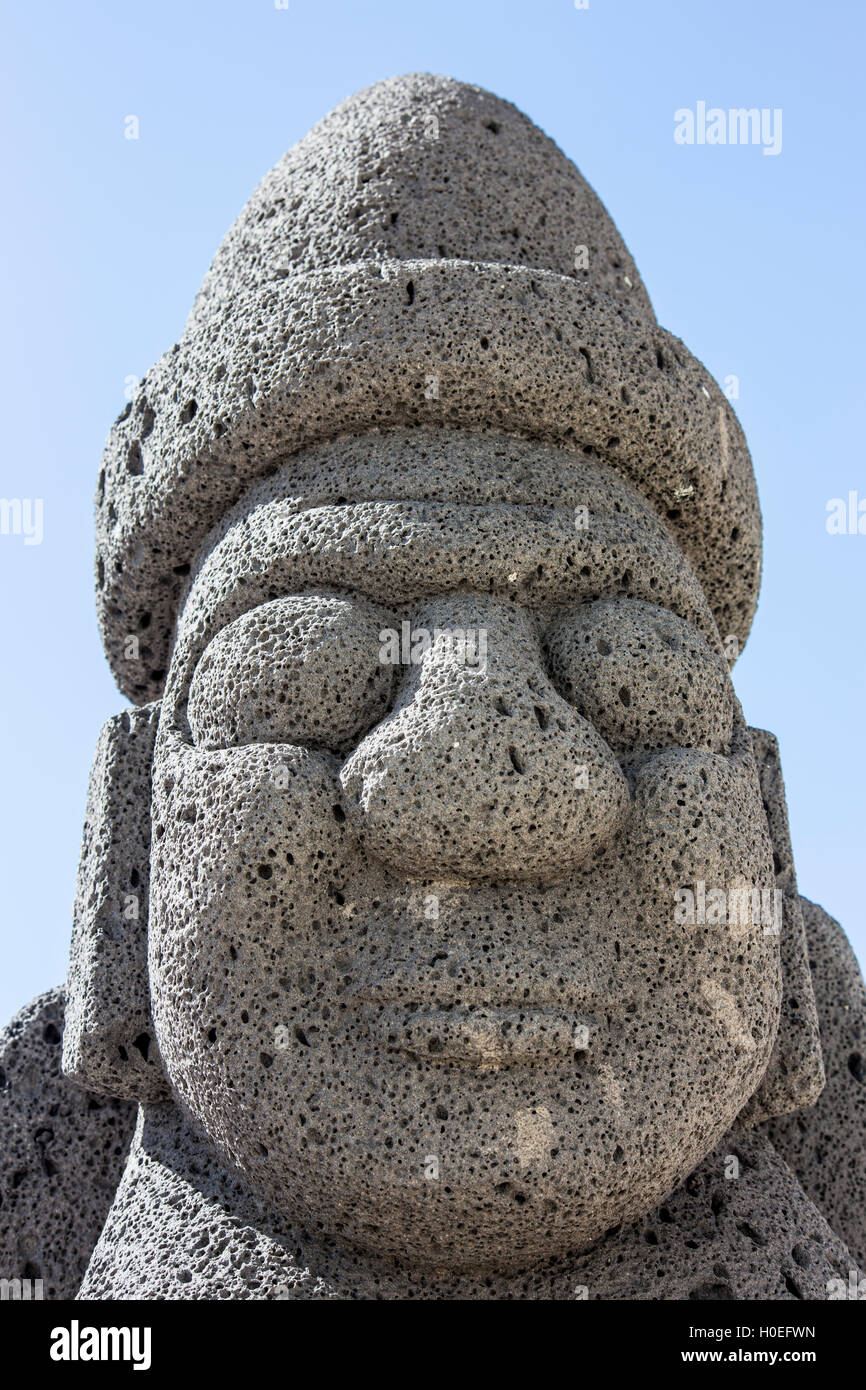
[(486, 1038), (507, 1008)]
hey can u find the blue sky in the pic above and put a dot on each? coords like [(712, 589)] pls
[(754, 260)]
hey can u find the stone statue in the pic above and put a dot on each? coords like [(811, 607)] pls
[(436, 905)]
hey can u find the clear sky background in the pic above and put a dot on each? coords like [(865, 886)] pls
[(755, 261)]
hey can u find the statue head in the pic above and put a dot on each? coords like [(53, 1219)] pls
[(435, 549)]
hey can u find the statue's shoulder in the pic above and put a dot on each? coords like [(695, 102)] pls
[(62, 1152), (740, 1227), (825, 1144)]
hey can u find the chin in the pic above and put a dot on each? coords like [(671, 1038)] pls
[(460, 1169)]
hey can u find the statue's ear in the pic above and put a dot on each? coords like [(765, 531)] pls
[(109, 1044), (794, 1078)]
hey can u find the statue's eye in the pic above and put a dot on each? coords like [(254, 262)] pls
[(644, 678), (301, 670)]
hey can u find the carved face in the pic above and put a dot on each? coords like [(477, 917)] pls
[(428, 780)]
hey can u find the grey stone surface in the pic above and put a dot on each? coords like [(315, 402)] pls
[(795, 1076), (182, 1227), (826, 1144), (108, 1043), (62, 1153), (435, 551), (415, 168), (740, 1227), (382, 319), (339, 935)]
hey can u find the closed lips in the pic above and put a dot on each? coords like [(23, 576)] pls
[(486, 1038), (487, 1012)]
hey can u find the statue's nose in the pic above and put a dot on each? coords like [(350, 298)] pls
[(481, 769)]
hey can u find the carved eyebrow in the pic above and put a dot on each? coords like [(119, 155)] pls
[(394, 553)]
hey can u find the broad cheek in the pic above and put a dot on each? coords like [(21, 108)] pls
[(704, 998), (250, 850), (698, 817), (699, 820)]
